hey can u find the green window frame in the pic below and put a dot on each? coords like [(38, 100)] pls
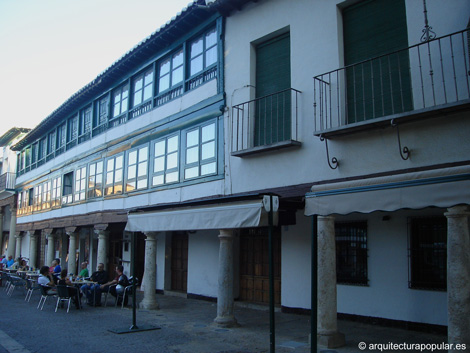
[(95, 179), (137, 168), (120, 100), (203, 52), (142, 87), (67, 188), (85, 121), (166, 160), (80, 184), (171, 71), (200, 151), (114, 175), (56, 191)]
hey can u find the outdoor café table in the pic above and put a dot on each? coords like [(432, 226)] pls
[(33, 275), (10, 270)]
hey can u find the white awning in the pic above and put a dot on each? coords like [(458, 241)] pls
[(441, 188), (241, 214)]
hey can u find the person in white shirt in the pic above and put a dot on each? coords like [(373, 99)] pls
[(46, 278)]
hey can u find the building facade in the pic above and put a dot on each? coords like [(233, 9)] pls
[(328, 110)]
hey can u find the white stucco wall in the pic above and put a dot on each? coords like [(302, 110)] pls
[(387, 295)]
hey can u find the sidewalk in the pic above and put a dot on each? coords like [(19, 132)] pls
[(186, 325)]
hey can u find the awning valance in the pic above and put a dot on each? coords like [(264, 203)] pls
[(440, 188), (241, 214)]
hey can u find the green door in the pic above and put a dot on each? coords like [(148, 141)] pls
[(382, 86), (273, 112)]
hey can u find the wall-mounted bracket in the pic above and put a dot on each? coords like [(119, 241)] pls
[(334, 162), (404, 152)]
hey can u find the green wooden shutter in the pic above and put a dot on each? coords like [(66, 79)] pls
[(273, 113), (380, 87)]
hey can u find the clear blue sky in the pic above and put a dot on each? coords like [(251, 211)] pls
[(52, 48)]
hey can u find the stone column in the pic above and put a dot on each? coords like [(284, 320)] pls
[(33, 249), (102, 256), (225, 317), (150, 273), (11, 236), (328, 334), (458, 274), (18, 239), (50, 247), (72, 264), (1, 231)]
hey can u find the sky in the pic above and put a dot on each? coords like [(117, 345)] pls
[(49, 49)]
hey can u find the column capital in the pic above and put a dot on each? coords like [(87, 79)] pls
[(226, 234), (151, 235), (69, 230), (457, 211), (48, 231), (99, 227)]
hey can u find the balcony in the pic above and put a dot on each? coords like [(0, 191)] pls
[(7, 185), (265, 124), (421, 81)]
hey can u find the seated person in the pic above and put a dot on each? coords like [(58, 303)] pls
[(84, 272), (4, 260), (16, 263), (55, 267), (23, 266), (73, 292), (46, 278), (93, 291), (121, 282), (10, 261)]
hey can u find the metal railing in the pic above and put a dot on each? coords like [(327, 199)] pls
[(7, 181), (265, 121), (426, 75)]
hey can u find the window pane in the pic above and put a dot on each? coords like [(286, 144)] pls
[(192, 155), (141, 184), (172, 161), (131, 172), (211, 38), (208, 169), (173, 144), (208, 133), (159, 164), (124, 105), (178, 59), (172, 177), (138, 84), (118, 177), (119, 162), (137, 98), (196, 65), (196, 47), (211, 56), (92, 169), (192, 138), (165, 67), (132, 157), (142, 169), (117, 109), (109, 178), (148, 92), (208, 150), (160, 148), (164, 83), (148, 78), (99, 167), (110, 165), (125, 92), (143, 152), (177, 76), (157, 180), (191, 172)]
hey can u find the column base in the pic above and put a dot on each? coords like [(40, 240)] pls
[(226, 321), (329, 340), (149, 305)]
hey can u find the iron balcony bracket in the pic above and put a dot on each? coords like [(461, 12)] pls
[(334, 162), (405, 152)]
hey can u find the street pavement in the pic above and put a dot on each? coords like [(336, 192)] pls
[(184, 325)]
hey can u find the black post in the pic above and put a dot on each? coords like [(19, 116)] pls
[(134, 325), (314, 268), (272, 326)]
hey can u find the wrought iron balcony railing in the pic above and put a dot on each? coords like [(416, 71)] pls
[(423, 77), (266, 121), (7, 181)]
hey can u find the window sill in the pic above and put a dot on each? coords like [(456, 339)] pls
[(266, 148)]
